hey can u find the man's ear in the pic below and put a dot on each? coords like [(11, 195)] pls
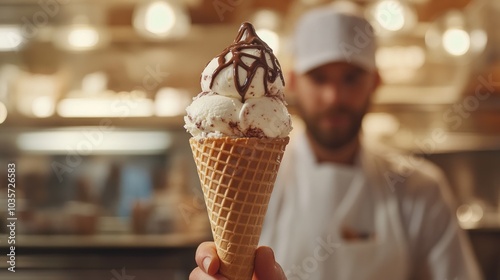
[(377, 82), (291, 83)]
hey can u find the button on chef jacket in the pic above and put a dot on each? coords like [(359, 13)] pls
[(373, 220)]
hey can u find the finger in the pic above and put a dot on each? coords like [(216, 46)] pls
[(206, 258), (198, 274), (266, 266)]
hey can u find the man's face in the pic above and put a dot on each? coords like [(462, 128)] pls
[(332, 100)]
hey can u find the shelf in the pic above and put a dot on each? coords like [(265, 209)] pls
[(173, 240), (19, 121)]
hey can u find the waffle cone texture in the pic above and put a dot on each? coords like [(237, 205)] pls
[(237, 176)]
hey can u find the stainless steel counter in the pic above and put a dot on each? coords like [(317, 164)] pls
[(172, 240), (104, 257)]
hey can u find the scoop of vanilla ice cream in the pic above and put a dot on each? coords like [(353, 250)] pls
[(265, 117), (213, 115), (224, 82)]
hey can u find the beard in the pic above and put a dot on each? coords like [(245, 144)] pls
[(335, 137)]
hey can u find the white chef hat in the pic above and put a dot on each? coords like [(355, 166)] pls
[(324, 35)]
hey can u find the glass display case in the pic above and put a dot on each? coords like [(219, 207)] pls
[(90, 202), (83, 181)]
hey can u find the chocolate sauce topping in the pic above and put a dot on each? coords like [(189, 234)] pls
[(251, 41)]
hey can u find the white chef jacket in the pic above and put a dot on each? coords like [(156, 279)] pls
[(401, 220)]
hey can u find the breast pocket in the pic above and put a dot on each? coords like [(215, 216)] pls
[(366, 260)]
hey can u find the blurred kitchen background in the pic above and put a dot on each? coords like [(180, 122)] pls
[(92, 95)]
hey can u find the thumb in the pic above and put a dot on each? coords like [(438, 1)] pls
[(266, 266)]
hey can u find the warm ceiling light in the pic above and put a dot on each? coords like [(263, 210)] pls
[(478, 40), (10, 38), (171, 102), (267, 23), (161, 19), (390, 15), (456, 41), (270, 37), (80, 37), (105, 107), (266, 19), (94, 140), (456, 36), (3, 112), (43, 107), (83, 37)]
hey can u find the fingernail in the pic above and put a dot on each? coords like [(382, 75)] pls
[(206, 263), (268, 251), (272, 254)]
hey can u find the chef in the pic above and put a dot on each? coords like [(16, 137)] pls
[(340, 210)]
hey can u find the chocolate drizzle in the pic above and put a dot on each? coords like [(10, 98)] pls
[(251, 41)]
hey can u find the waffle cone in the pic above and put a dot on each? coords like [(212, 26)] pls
[(237, 176)]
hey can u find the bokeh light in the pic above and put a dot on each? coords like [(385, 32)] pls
[(84, 37), (160, 18), (456, 41), (3, 112), (271, 38), (390, 15)]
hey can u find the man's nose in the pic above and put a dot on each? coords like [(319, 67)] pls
[(331, 94)]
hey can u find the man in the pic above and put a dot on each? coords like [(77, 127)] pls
[(339, 211)]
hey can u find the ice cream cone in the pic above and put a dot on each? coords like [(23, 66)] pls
[(237, 176)]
